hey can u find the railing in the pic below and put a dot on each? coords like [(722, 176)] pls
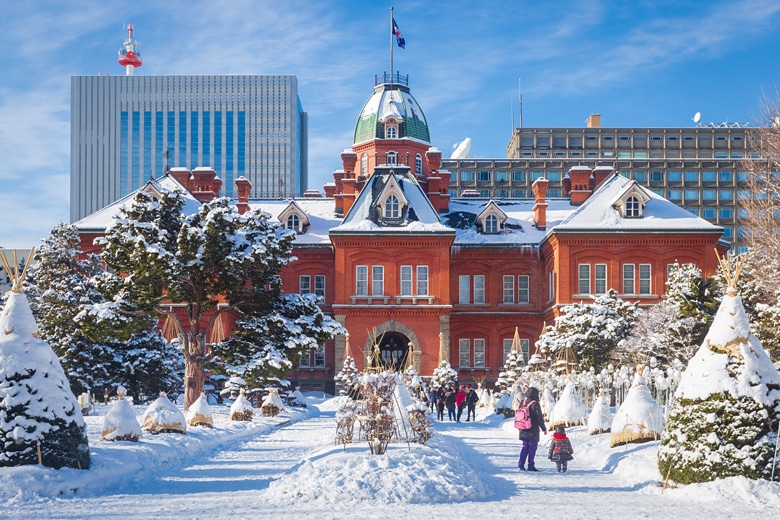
[(393, 79)]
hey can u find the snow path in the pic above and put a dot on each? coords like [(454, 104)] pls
[(236, 482)]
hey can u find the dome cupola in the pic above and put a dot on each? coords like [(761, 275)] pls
[(391, 113)]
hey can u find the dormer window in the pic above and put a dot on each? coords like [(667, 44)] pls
[(293, 222), (391, 157), (391, 129), (491, 224), (392, 207), (632, 207)]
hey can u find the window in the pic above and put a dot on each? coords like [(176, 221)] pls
[(293, 222), (518, 194), (656, 176), (554, 176), (319, 356), (525, 345), (726, 176), (418, 164), (523, 289), (726, 213), (479, 352), (464, 289), (691, 195), (391, 158), (507, 349), (708, 213), (518, 176), (708, 176), (509, 289), (536, 175), (674, 176), (725, 194), (361, 280), (691, 177), (628, 278), (693, 211), (305, 360), (502, 176), (319, 285), (552, 285), (600, 278), (464, 353), (728, 232), (406, 280), (392, 207), (304, 284), (391, 132), (640, 176), (422, 280), (483, 176), (479, 288), (583, 286), (377, 280), (709, 195), (364, 164), (674, 194), (491, 224), (644, 279), (632, 207), (467, 176)]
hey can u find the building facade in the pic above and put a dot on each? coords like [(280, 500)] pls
[(128, 129), (699, 168)]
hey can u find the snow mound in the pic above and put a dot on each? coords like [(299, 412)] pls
[(432, 473)]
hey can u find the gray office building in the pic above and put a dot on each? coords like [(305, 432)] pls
[(701, 168), (128, 129)]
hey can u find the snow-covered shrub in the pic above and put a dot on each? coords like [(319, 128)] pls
[(199, 413), (120, 423), (241, 409), (162, 416), (639, 418)]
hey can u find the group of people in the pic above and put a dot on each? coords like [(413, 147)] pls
[(454, 400), (560, 452)]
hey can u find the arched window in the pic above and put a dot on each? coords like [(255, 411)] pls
[(418, 164), (491, 224), (391, 158), (632, 207), (391, 132), (392, 208), (364, 164), (293, 222)]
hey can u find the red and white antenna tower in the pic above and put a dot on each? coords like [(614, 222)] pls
[(128, 58)]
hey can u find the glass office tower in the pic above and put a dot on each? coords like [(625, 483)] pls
[(128, 129)]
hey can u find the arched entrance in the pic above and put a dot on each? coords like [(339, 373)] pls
[(393, 351)]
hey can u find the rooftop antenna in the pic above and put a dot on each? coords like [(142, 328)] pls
[(128, 57), (520, 90)]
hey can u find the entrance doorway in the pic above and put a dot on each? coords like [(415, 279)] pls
[(393, 351)]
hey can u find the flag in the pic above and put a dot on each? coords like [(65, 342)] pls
[(398, 36)]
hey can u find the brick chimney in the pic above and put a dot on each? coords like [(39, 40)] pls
[(601, 173), (182, 176), (205, 184), (580, 184), (243, 187), (540, 207), (349, 160)]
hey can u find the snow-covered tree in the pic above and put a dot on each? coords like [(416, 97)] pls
[(266, 347), (202, 260), (347, 376), (40, 419), (591, 330), (725, 417), (444, 375)]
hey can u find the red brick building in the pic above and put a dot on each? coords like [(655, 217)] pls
[(420, 277)]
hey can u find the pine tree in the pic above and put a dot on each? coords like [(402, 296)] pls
[(347, 377), (591, 330), (40, 420), (444, 375)]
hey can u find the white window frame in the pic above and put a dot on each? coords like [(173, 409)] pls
[(632, 207), (361, 280), (422, 280), (377, 280), (319, 356), (552, 285), (509, 288), (523, 288), (645, 279), (583, 278), (525, 349), (293, 222), (319, 285), (418, 164), (600, 278), (392, 207), (507, 349), (304, 284), (491, 224), (479, 352), (364, 164), (406, 280), (479, 288), (464, 288), (629, 279), (392, 157), (464, 352)]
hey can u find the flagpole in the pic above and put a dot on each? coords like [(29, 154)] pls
[(391, 45)]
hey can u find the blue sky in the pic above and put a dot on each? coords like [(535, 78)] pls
[(640, 63)]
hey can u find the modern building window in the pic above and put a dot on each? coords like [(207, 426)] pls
[(464, 288), (523, 288), (644, 279), (422, 280), (536, 174), (392, 207), (600, 278), (483, 176), (709, 176), (406, 280), (725, 176), (675, 195), (726, 213), (377, 280), (502, 176), (518, 194), (709, 213), (479, 352), (691, 177), (674, 176), (466, 176), (691, 195), (553, 176), (628, 279), (361, 280), (709, 195), (464, 352), (693, 211), (725, 195), (656, 176), (518, 176), (640, 176), (728, 232), (479, 288), (583, 279), (509, 289)]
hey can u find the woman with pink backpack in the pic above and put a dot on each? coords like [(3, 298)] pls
[(530, 435)]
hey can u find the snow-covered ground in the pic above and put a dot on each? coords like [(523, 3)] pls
[(289, 466)]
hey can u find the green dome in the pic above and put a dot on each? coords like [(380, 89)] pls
[(391, 100)]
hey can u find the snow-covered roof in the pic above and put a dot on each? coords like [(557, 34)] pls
[(391, 101)]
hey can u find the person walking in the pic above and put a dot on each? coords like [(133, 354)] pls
[(449, 402), (530, 436), (433, 396), (561, 451), (441, 397), (471, 404), (460, 401)]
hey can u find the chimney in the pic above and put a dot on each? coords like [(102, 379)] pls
[(205, 184), (349, 160), (580, 184), (433, 157), (594, 121), (601, 173), (243, 187), (540, 208), (182, 176)]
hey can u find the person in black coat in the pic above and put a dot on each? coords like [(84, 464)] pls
[(471, 404), (530, 437)]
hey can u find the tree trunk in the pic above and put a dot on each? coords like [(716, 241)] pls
[(194, 369)]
